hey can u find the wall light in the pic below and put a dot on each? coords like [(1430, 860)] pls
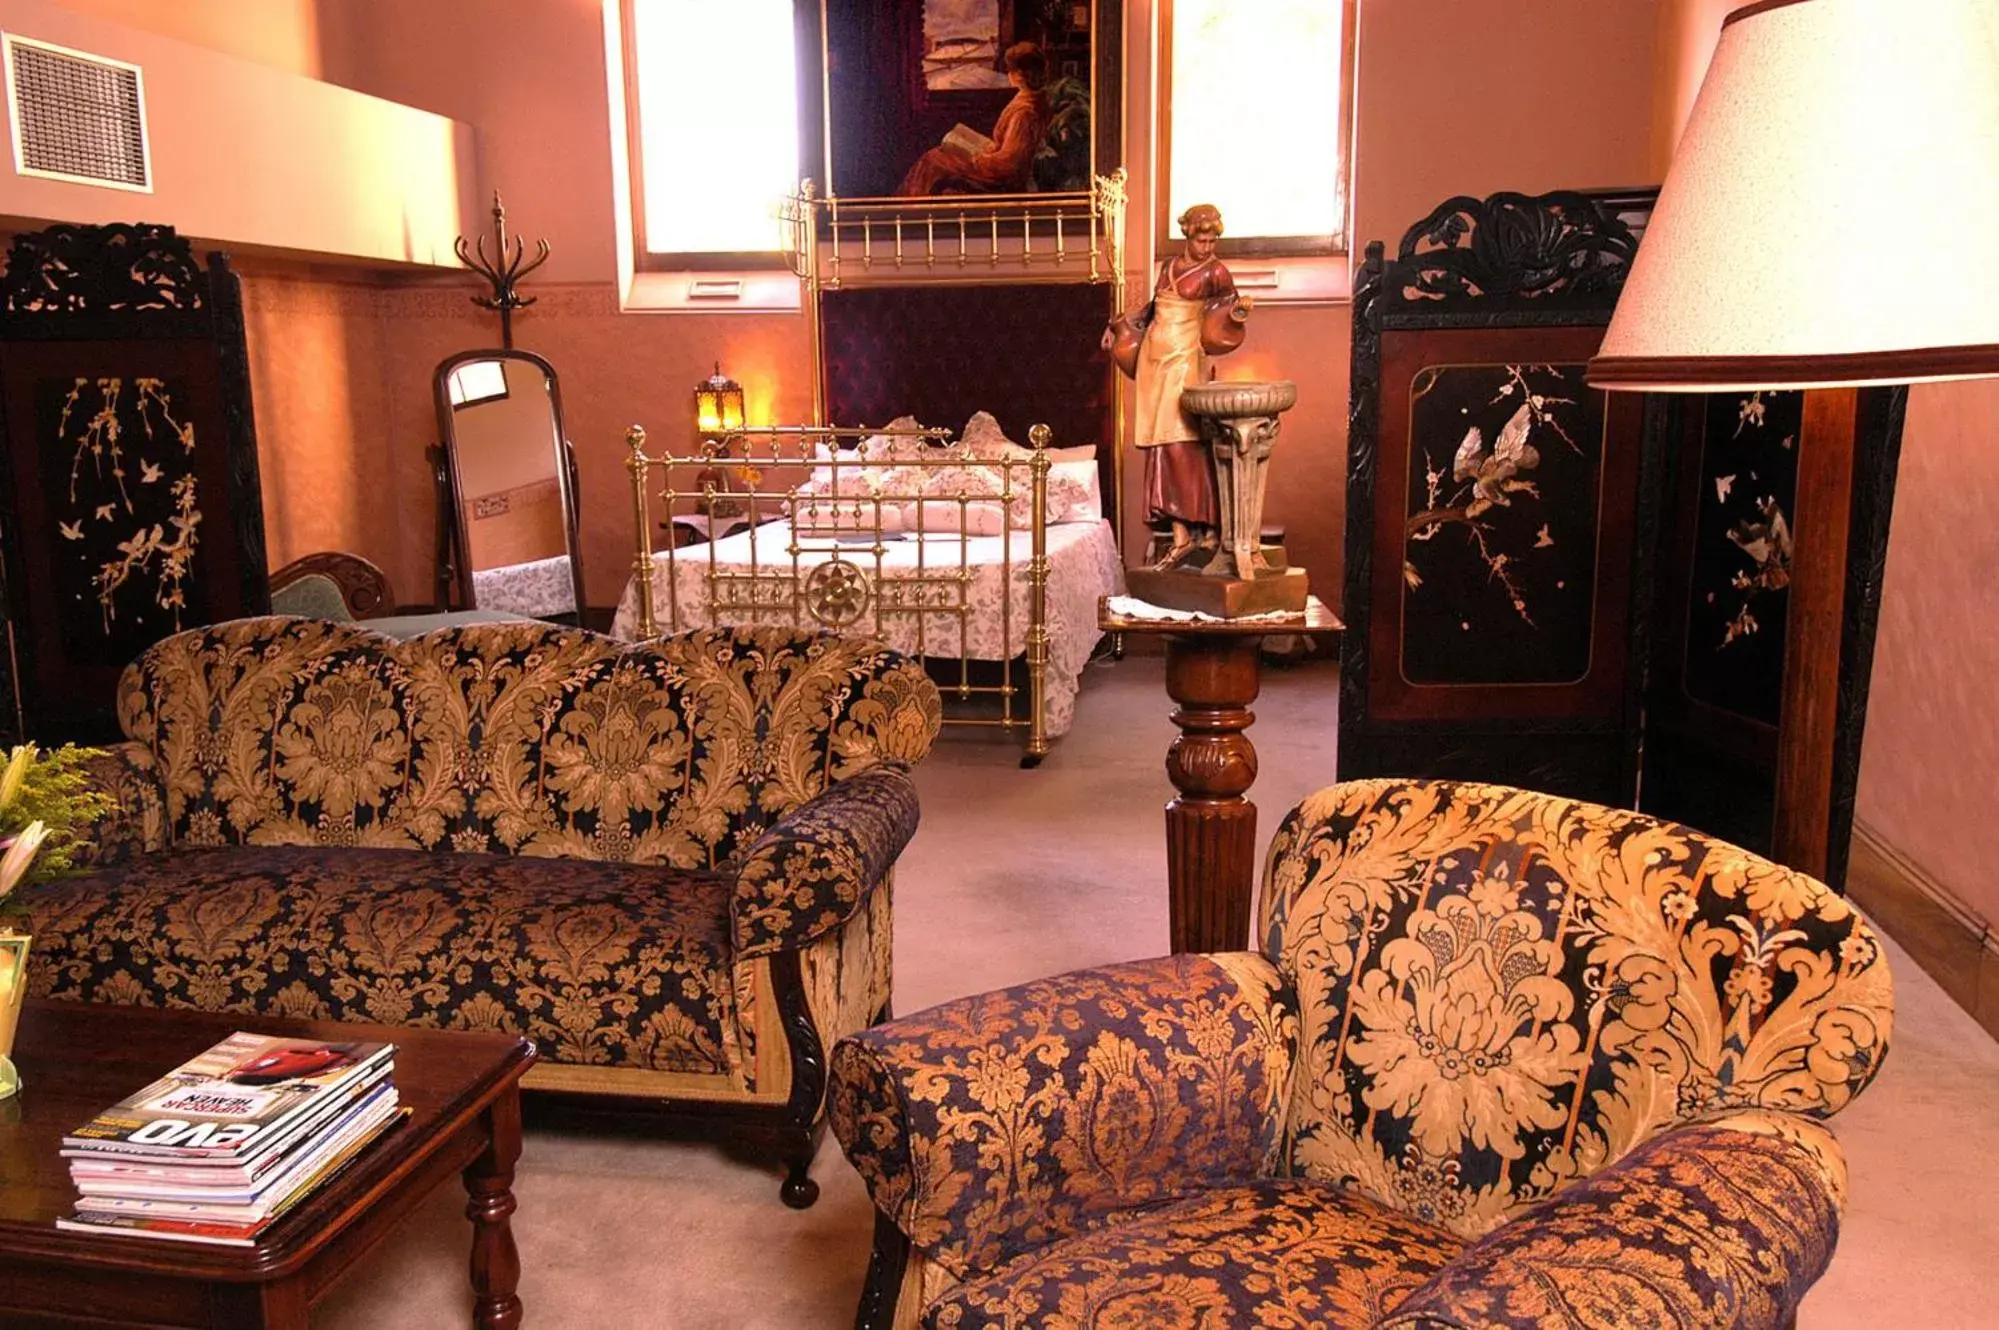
[(718, 405)]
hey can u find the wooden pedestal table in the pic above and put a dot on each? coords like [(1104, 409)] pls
[(1213, 673)]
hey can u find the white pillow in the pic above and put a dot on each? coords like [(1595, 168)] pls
[(848, 479), (811, 516), (1084, 474), (939, 517)]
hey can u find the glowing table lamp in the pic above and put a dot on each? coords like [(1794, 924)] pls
[(718, 405), (718, 416), (1822, 227)]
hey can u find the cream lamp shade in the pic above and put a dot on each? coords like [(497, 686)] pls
[(1824, 221)]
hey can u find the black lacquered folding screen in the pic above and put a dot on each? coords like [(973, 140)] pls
[(1582, 592), (130, 493)]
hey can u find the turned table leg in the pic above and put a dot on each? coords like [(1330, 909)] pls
[(489, 1182), (1211, 826)]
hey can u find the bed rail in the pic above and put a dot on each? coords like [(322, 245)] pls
[(1076, 236)]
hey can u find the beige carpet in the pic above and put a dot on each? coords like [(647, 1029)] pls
[(1017, 874)]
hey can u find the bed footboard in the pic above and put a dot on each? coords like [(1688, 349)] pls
[(939, 548)]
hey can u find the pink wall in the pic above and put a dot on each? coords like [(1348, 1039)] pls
[(1475, 96), (1688, 31), (283, 34), (530, 75), (1931, 757), (335, 476), (247, 153)]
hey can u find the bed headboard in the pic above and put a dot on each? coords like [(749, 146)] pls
[(1028, 354)]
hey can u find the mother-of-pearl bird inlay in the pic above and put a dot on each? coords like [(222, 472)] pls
[(122, 450), (1762, 533), (1484, 480)]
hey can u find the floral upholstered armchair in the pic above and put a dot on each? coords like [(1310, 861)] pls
[(668, 863), (1503, 1059)]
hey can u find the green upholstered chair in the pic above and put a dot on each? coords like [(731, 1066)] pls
[(1499, 1059), (332, 585)]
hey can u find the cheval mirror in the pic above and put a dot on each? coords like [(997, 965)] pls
[(512, 485)]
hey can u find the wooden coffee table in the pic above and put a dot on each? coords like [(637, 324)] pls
[(78, 1059)]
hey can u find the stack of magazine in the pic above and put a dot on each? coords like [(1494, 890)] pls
[(218, 1148)]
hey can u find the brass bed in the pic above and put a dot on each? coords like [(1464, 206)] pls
[(945, 551)]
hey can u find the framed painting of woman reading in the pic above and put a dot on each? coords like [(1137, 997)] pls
[(929, 98)]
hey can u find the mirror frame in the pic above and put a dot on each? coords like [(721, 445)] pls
[(565, 466)]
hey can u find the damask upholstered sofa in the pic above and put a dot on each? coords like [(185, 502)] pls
[(1501, 1060), (669, 864)]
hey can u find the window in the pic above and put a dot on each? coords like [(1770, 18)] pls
[(1253, 118), (711, 93), (478, 381)]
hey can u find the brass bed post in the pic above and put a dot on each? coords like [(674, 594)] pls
[(1037, 603), (1107, 197), (809, 229), (639, 465)]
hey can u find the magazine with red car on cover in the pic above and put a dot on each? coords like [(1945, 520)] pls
[(232, 1100)]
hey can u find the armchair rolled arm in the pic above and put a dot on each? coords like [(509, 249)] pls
[(1726, 1222), (138, 822), (991, 1125), (808, 874)]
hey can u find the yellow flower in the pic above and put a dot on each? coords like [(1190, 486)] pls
[(344, 745), (1749, 985), (1494, 893)]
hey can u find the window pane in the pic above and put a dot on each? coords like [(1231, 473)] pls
[(478, 381), (1256, 114), (718, 122)]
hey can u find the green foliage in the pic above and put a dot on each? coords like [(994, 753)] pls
[(53, 787), (1064, 160)]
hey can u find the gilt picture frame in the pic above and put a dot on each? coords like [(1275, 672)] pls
[(970, 99)]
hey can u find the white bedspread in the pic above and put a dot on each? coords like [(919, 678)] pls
[(908, 593), (533, 589)]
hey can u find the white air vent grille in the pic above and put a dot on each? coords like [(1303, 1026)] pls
[(77, 117)]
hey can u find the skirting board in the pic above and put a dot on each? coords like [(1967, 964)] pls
[(1951, 941)]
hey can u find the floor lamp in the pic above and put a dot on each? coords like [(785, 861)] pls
[(1822, 227)]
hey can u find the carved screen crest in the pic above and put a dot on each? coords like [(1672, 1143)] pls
[(100, 269)]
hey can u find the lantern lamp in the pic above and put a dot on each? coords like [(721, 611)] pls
[(718, 405)]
